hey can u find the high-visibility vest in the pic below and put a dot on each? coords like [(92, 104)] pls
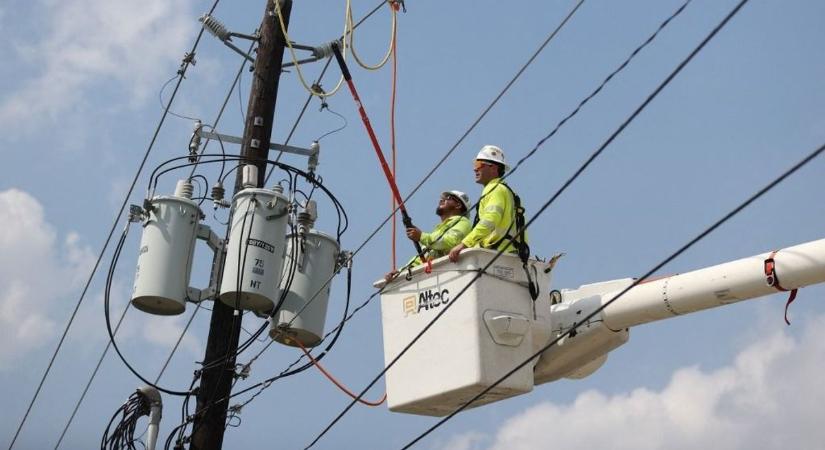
[(444, 237), (496, 219)]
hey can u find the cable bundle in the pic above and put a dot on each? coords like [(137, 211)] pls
[(123, 434)]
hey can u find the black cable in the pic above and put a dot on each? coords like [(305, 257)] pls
[(181, 77), (123, 435), (91, 378), (552, 199), (337, 330), (106, 301), (288, 371), (344, 125)]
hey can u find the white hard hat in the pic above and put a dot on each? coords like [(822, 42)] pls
[(492, 153), (464, 198)]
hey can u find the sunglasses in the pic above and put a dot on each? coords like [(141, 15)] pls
[(479, 164)]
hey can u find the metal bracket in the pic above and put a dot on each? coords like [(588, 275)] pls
[(272, 146), (212, 240)]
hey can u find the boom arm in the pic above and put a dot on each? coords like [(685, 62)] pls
[(719, 285), (585, 350)]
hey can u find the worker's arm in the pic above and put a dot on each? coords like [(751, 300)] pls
[(490, 213), (447, 234)]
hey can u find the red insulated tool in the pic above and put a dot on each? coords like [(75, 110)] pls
[(390, 179)]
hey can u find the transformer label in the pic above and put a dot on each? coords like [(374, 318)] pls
[(425, 300), (259, 267), (261, 244)]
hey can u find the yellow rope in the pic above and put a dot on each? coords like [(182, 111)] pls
[(295, 58), (352, 38)]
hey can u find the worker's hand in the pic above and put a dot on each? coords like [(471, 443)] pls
[(414, 234), (456, 252), (390, 276)]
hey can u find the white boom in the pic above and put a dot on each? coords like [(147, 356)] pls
[(719, 285)]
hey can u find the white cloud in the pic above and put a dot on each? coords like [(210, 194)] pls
[(86, 42), (770, 397), (34, 271), (165, 331)]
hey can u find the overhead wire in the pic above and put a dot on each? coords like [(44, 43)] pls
[(393, 24), (181, 76), (311, 89), (235, 83), (160, 99), (317, 82), (544, 207), (332, 378), (393, 158), (89, 383)]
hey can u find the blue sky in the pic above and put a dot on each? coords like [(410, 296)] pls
[(79, 104)]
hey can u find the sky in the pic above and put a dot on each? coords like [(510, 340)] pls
[(79, 103)]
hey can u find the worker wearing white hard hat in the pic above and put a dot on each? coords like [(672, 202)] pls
[(453, 207), (498, 207)]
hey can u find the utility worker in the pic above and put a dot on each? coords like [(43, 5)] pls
[(500, 213), (452, 208)]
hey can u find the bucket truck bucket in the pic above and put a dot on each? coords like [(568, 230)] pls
[(484, 333)]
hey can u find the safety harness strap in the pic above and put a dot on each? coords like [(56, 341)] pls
[(518, 241), (773, 280)]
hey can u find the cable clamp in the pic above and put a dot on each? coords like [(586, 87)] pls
[(772, 279), (188, 58), (395, 4)]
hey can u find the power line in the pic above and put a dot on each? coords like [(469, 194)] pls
[(550, 201), (181, 76), (89, 383)]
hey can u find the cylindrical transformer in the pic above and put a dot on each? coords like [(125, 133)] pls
[(165, 260), (303, 313), (255, 255)]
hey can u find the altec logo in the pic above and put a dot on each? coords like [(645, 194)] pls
[(425, 300)]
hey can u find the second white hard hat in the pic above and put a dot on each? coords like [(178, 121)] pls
[(492, 153), (464, 198)]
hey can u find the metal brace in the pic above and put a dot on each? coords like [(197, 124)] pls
[(272, 146)]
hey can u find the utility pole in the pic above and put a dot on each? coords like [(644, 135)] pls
[(224, 327)]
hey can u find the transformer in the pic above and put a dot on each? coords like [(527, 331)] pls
[(166, 250), (313, 256), (255, 254)]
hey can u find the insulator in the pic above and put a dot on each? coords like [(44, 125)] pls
[(215, 27), (218, 191), (323, 50), (217, 195), (195, 141), (184, 189)]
